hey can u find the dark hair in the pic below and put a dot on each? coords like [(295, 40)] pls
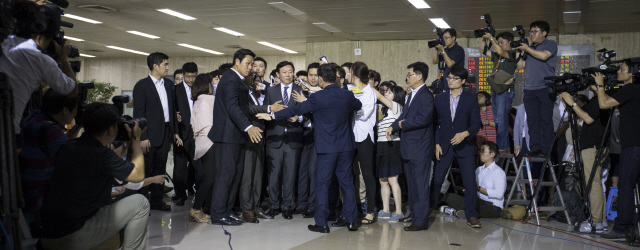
[(274, 73), (190, 67), (452, 33), (459, 71), (53, 102), (506, 36), (493, 147), (156, 58), (223, 68), (314, 65), (201, 86), (420, 67), (375, 75), (582, 98), (385, 84), (340, 71), (543, 25), (302, 73), (486, 95), (25, 12), (284, 63), (214, 74), (361, 71), (241, 54), (260, 59), (328, 73), (398, 97), (347, 64), (98, 117), (178, 72), (393, 83)]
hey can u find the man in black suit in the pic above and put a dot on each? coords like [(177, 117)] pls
[(284, 144), (153, 100), (230, 131), (416, 146), (260, 68), (458, 123), (185, 146)]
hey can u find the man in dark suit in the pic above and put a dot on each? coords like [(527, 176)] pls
[(458, 123), (416, 146), (153, 100), (260, 68), (331, 110), (185, 146), (230, 131), (284, 144)]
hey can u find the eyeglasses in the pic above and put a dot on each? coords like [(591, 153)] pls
[(533, 32), (453, 78), (482, 151), (409, 74), (447, 37)]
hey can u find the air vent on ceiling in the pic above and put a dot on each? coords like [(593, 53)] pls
[(233, 46), (572, 16), (97, 8)]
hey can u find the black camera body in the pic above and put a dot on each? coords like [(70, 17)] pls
[(119, 101), (52, 14), (523, 37), (439, 40), (566, 82), (609, 73), (488, 29), (83, 91)]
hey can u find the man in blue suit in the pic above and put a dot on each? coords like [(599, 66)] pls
[(331, 109), (458, 123), (416, 146)]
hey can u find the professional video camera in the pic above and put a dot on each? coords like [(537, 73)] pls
[(566, 82), (119, 101), (489, 29), (608, 70), (53, 13), (439, 40)]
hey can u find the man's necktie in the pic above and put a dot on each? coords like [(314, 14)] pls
[(285, 97)]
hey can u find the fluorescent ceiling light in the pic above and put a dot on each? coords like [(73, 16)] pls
[(73, 38), (440, 23), (419, 4), (176, 14), (200, 49), (327, 27), (277, 47), (287, 8), (128, 50), (143, 34), (228, 31), (85, 55), (82, 19)]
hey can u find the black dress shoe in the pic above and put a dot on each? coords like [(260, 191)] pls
[(319, 229), (414, 228), (180, 201), (237, 218), (406, 219), (332, 216), (342, 222), (161, 207), (299, 211), (272, 213), (287, 214), (533, 153), (263, 215), (226, 221), (309, 214), (191, 191)]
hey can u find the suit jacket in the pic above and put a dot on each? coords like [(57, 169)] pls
[(276, 135), (231, 110), (147, 104), (253, 110), (183, 128), (308, 137), (417, 126), (467, 118), (331, 108)]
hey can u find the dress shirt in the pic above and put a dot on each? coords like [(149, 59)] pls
[(289, 90), (242, 78), (188, 90), (494, 180), (162, 93), (215, 87), (365, 120), (453, 104), (413, 92)]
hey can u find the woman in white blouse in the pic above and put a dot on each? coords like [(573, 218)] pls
[(202, 120)]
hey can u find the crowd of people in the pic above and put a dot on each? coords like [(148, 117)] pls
[(331, 142)]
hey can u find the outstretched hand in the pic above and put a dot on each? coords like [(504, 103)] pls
[(264, 116)]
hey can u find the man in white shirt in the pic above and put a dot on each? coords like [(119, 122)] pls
[(492, 183)]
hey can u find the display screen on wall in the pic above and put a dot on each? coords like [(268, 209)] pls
[(573, 58), (480, 67)]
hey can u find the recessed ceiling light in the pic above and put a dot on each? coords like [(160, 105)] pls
[(81, 18), (277, 47), (440, 23), (73, 38), (128, 50), (228, 31), (419, 4), (143, 34), (200, 49), (176, 14), (85, 55)]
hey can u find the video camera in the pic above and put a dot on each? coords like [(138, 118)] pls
[(119, 101), (489, 29), (52, 13), (608, 70), (439, 40)]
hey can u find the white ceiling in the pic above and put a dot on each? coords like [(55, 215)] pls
[(357, 20)]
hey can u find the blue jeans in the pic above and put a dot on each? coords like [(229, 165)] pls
[(501, 104)]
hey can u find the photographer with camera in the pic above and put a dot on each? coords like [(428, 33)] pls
[(591, 134), (539, 107), (76, 212), (24, 60), (505, 59), (452, 55), (628, 100)]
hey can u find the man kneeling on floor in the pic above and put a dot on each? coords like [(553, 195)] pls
[(76, 211), (492, 183)]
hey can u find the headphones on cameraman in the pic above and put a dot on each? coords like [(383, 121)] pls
[(487, 98)]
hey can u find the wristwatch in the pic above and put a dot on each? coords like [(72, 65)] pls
[(574, 104), (599, 86)]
